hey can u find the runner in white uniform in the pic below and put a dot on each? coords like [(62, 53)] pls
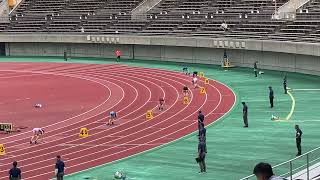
[(195, 82), (37, 134)]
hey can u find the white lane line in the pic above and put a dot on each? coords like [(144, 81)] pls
[(143, 114), (127, 106), (161, 122), (59, 122), (110, 145), (305, 89)]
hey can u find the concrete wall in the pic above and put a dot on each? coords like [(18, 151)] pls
[(240, 57), (278, 55)]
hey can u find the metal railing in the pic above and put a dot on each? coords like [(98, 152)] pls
[(17, 4), (289, 16), (294, 168)]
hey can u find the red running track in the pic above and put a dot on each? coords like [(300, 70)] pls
[(81, 95)]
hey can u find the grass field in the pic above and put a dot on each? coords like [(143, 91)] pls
[(232, 149)]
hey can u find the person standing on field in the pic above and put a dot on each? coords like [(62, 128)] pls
[(271, 96), (59, 168), (298, 139), (118, 54), (285, 84), (245, 114), (15, 172), (255, 68)]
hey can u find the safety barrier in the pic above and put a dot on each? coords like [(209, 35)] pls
[(296, 167)]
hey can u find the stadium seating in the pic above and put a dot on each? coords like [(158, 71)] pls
[(244, 18)]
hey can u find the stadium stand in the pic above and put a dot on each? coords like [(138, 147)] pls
[(244, 18)]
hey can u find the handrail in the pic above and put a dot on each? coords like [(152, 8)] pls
[(286, 162), (138, 6), (15, 7), (283, 5)]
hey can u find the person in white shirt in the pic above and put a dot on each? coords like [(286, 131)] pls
[(37, 135), (224, 26), (195, 82)]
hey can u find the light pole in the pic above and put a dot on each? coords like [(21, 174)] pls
[(275, 7)]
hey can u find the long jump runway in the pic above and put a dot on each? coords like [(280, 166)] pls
[(81, 95)]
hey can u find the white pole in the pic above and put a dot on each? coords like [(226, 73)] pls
[(275, 6)]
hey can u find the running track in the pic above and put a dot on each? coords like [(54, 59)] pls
[(130, 91)]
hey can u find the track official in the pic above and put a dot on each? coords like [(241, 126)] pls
[(271, 96), (59, 169), (285, 84), (245, 114), (298, 139), (255, 69), (200, 121), (15, 172)]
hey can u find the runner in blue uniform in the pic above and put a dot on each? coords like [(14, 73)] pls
[(113, 116)]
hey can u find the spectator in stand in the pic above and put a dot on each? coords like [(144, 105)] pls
[(224, 26), (263, 171), (59, 169), (15, 173)]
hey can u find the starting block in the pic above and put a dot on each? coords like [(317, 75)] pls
[(2, 150), (84, 133), (206, 81), (149, 115), (186, 100), (202, 90), (201, 74)]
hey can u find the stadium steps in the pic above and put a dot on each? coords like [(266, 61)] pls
[(101, 9), (45, 25)]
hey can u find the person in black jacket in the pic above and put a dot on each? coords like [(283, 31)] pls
[(245, 115), (59, 168), (202, 150), (15, 173), (271, 96), (298, 139), (200, 121), (255, 68), (285, 84), (203, 133)]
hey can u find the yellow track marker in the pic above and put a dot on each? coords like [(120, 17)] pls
[(206, 81), (84, 133), (149, 115), (2, 150), (201, 74), (202, 90), (186, 100)]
